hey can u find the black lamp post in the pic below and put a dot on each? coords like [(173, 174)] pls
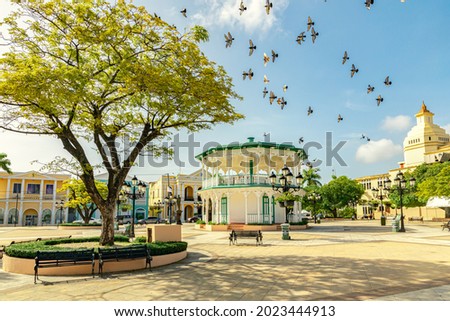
[(286, 184), (170, 200), (400, 185), (382, 192), (158, 206), (314, 197), (197, 205), (60, 206), (134, 191)]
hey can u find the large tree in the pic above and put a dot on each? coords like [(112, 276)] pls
[(5, 163), (339, 193), (103, 71)]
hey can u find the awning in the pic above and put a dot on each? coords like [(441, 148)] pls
[(438, 202)]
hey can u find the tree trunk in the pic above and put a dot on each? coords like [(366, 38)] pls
[(108, 212)]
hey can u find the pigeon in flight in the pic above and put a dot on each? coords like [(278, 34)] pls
[(310, 110), (266, 59), (242, 8), (184, 12), (265, 92), (345, 58), (362, 136), (368, 3), (309, 24), (370, 89), (228, 40), (266, 80), (379, 100), (387, 82), (301, 38), (268, 6), (248, 74), (274, 55), (272, 97), (340, 118), (353, 71), (251, 47), (285, 88), (300, 140), (281, 102), (314, 34)]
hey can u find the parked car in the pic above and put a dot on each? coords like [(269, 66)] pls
[(123, 219), (193, 219), (149, 220), (91, 221)]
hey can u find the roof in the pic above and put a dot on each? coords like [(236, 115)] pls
[(249, 144)]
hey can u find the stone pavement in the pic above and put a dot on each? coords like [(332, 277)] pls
[(333, 261)]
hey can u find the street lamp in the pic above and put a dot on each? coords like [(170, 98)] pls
[(158, 205), (197, 205), (170, 200), (400, 185), (381, 192), (60, 206), (134, 191), (286, 184), (314, 197)]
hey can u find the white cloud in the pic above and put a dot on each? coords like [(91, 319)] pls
[(447, 128), (226, 13), (378, 151), (398, 123)]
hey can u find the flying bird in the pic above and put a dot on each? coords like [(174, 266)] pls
[(362, 136), (309, 24), (345, 58), (265, 92), (340, 118), (183, 12), (314, 34), (242, 7), (228, 40), (266, 59), (281, 102), (379, 100), (266, 80), (354, 70), (251, 47), (248, 74), (300, 140), (272, 97), (274, 55), (285, 88), (387, 82), (368, 3), (370, 89), (310, 110), (301, 38), (268, 6)]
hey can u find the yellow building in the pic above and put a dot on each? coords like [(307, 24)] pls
[(31, 198), (426, 143)]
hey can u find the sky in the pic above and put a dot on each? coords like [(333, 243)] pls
[(407, 41)]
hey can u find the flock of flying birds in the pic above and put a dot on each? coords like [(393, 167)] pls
[(301, 38)]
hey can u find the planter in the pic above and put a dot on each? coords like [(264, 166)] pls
[(200, 226), (210, 227), (281, 204), (290, 203)]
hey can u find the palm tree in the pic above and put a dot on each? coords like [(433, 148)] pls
[(5, 163), (311, 177)]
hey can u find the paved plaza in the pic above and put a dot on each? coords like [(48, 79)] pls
[(337, 260)]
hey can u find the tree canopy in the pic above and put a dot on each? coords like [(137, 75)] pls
[(5, 163), (107, 72), (339, 193)]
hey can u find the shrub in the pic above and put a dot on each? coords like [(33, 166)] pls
[(200, 222), (162, 248), (347, 212)]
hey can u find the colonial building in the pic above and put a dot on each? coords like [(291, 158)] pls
[(427, 143), (31, 198), (236, 187)]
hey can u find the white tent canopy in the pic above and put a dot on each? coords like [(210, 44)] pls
[(438, 202)]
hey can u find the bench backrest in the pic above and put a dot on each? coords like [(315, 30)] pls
[(64, 256), (246, 233), (130, 252)]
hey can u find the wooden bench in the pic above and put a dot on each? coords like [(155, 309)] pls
[(415, 219), (47, 259), (446, 226), (117, 254), (234, 235)]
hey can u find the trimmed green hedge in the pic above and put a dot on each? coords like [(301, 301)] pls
[(29, 249)]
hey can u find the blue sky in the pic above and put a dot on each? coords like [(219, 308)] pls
[(408, 41)]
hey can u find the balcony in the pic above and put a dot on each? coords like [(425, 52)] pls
[(236, 180)]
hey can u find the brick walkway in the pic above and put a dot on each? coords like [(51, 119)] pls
[(332, 261)]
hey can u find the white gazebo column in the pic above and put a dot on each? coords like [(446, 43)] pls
[(246, 206), (228, 208), (258, 206), (20, 222), (41, 200), (6, 213)]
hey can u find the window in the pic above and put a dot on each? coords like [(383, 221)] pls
[(17, 188), (49, 189), (33, 189)]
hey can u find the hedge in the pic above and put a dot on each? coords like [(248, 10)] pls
[(29, 249)]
